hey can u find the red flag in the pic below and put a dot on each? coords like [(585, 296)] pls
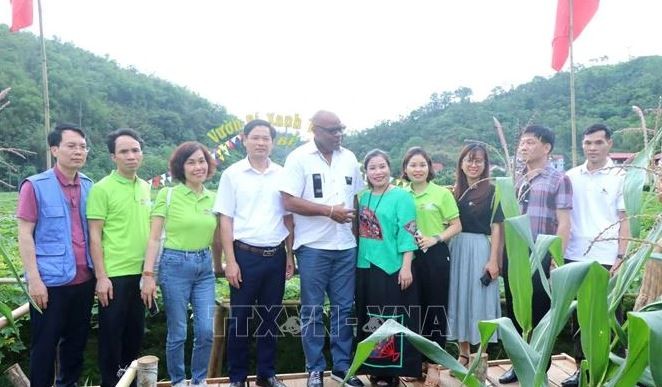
[(582, 12), (21, 14)]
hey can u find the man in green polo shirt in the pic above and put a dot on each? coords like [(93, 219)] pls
[(118, 210)]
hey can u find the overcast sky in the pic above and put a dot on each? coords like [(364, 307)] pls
[(366, 60)]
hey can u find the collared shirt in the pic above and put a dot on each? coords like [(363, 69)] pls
[(189, 220), (435, 207), (124, 206), (252, 199), (28, 210), (541, 196), (596, 202), (309, 176)]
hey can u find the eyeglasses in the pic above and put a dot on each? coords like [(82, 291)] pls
[(72, 147), (474, 161)]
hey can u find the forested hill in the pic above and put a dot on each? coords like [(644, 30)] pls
[(102, 96), (603, 94), (99, 94)]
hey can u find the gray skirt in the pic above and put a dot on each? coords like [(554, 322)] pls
[(468, 300)]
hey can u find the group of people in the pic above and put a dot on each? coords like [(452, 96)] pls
[(427, 257)]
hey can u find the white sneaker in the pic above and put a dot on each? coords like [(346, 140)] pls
[(201, 384), (180, 384)]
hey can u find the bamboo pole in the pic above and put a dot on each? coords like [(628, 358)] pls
[(128, 376), (573, 123), (16, 313), (10, 281), (44, 83)]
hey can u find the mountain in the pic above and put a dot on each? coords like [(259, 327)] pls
[(98, 94), (603, 94), (101, 96)]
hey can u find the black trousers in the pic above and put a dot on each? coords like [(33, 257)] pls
[(432, 272), (61, 330), (259, 298), (540, 302), (121, 327)]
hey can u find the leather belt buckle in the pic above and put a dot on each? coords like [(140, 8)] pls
[(269, 252)]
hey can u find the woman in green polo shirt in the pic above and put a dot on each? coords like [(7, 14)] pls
[(474, 293), (186, 273), (437, 218), (384, 281)]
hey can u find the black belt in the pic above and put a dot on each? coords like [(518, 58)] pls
[(263, 251)]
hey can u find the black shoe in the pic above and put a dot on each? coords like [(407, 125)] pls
[(572, 381), (339, 376), (508, 377), (238, 384), (269, 382), (315, 379)]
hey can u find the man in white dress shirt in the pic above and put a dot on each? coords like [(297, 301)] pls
[(319, 186), (256, 236)]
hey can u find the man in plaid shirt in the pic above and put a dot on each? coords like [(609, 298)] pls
[(545, 194)]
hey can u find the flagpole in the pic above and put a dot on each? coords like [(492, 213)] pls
[(573, 123), (44, 80)]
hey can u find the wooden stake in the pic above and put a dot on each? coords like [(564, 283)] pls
[(147, 371), (16, 376)]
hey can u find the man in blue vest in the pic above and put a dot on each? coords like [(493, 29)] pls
[(53, 244)]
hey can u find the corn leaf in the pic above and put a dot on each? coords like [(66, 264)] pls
[(518, 240), (633, 186), (594, 323), (645, 348), (525, 360), (504, 194), (429, 348)]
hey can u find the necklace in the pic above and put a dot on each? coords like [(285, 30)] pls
[(378, 201)]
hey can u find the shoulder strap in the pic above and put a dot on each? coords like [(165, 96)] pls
[(165, 219), (168, 198)]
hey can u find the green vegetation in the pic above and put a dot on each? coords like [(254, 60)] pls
[(604, 94), (99, 95)]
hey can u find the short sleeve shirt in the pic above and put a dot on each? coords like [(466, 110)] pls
[(124, 206), (540, 197), (476, 209), (252, 199), (189, 220), (596, 202), (28, 210), (435, 207), (309, 176), (387, 224)]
